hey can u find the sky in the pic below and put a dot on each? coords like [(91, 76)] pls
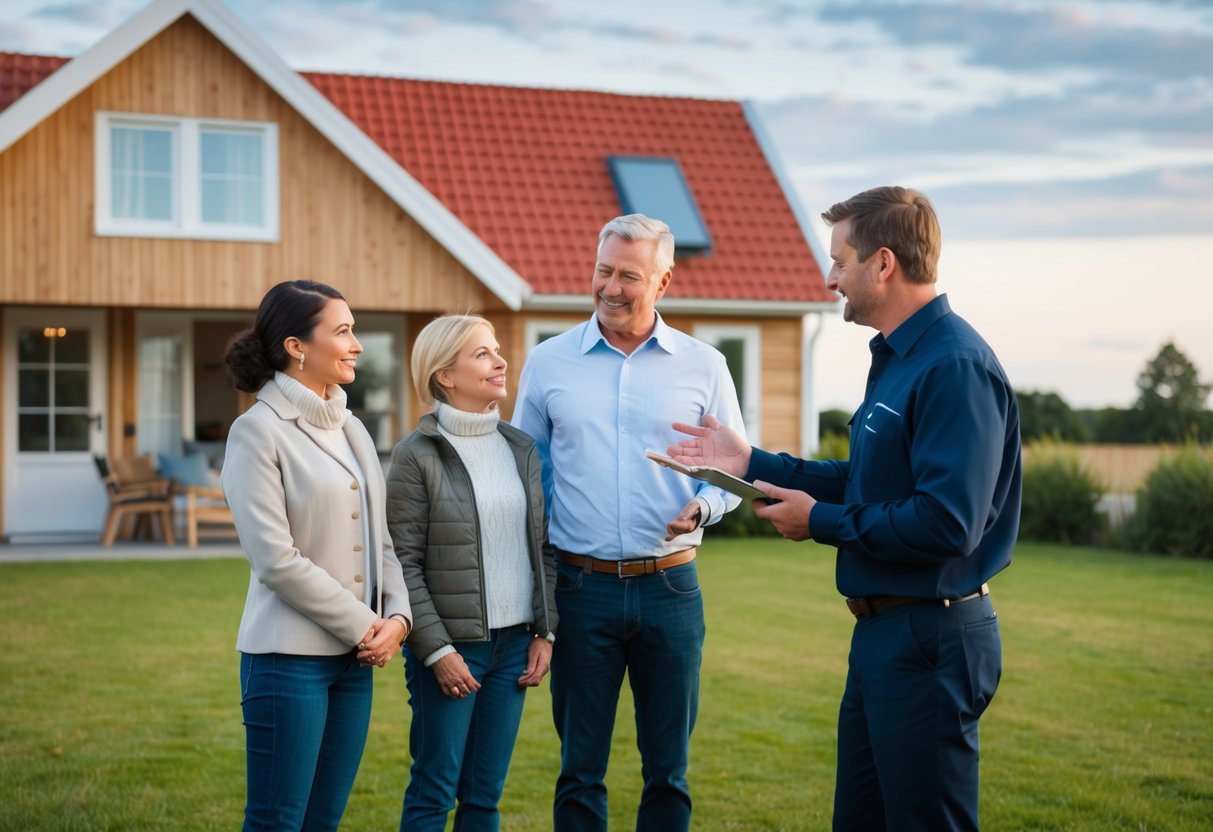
[(1067, 146)]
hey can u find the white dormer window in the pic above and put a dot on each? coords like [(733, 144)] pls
[(186, 177)]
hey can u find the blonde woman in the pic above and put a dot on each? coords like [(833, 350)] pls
[(465, 510), (326, 599)]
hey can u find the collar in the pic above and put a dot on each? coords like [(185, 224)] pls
[(903, 339), (662, 336), (462, 423)]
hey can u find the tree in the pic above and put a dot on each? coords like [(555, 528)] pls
[(1172, 398), (1047, 416), (834, 422)]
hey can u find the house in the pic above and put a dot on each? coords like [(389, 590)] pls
[(154, 187)]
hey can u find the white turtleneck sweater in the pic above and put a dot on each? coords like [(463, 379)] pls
[(330, 415), (501, 509)]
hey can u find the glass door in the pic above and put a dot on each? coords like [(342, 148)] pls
[(54, 421)]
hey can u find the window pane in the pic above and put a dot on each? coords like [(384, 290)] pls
[(33, 432), (33, 388), (373, 394), (160, 371), (72, 348), (734, 356), (33, 347), (237, 154), (231, 178), (71, 432), (71, 388), (141, 173)]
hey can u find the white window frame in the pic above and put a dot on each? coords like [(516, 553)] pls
[(186, 222), (536, 329), (751, 336)]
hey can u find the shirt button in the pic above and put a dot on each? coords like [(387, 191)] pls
[(353, 486), (357, 548), (357, 579), (355, 516)]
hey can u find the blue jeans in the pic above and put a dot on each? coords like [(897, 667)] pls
[(650, 626), (920, 677), (461, 748), (306, 720)]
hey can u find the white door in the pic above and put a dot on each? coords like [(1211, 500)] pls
[(54, 421)]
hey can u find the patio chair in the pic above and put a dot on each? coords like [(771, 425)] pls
[(198, 484), (137, 494), (205, 504)]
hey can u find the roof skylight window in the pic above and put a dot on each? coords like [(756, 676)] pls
[(654, 186)]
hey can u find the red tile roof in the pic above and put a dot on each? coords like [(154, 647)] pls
[(20, 73), (525, 170)]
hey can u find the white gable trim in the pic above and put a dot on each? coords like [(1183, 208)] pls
[(73, 77), (789, 190)]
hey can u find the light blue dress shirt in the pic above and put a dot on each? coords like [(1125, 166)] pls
[(594, 411)]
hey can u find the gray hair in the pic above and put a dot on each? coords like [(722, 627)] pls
[(639, 227), (436, 349)]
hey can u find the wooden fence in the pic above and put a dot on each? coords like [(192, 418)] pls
[(1121, 469)]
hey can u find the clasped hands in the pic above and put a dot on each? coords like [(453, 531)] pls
[(719, 446), (382, 641)]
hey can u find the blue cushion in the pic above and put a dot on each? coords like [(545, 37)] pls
[(192, 469)]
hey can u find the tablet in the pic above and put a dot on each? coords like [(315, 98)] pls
[(708, 474)]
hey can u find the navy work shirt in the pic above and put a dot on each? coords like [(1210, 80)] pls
[(928, 503)]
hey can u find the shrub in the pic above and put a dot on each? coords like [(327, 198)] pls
[(834, 446), (742, 522), (1174, 514), (1059, 499)]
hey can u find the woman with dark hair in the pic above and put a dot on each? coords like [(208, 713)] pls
[(326, 599)]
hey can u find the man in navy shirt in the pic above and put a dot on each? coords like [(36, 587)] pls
[(924, 513)]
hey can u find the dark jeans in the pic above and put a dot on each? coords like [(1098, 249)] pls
[(306, 720), (461, 748), (920, 677), (652, 627)]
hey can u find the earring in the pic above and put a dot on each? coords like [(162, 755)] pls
[(301, 357)]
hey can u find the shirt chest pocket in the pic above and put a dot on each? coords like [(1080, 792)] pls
[(882, 458)]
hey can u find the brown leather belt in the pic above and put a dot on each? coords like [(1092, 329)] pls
[(867, 606), (627, 568)]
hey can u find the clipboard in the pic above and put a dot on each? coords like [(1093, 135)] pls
[(709, 474)]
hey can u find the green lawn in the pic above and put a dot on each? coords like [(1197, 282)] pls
[(121, 710)]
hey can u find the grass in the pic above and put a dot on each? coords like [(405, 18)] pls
[(121, 710)]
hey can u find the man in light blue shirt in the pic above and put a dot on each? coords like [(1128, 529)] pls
[(625, 529)]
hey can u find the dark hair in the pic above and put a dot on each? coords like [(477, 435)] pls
[(900, 219), (291, 308)]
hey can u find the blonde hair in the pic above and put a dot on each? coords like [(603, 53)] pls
[(436, 349)]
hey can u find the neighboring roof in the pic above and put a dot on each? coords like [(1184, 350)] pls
[(20, 73), (526, 170), (512, 181)]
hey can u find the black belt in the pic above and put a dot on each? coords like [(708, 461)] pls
[(867, 606)]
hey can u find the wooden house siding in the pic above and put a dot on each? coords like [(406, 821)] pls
[(336, 224)]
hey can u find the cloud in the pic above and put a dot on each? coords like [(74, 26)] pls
[(102, 16), (18, 37)]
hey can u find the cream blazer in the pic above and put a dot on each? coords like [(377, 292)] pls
[(298, 513)]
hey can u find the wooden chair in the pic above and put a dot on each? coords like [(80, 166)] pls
[(136, 492), (204, 504)]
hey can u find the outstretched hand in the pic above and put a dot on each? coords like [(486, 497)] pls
[(714, 444)]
